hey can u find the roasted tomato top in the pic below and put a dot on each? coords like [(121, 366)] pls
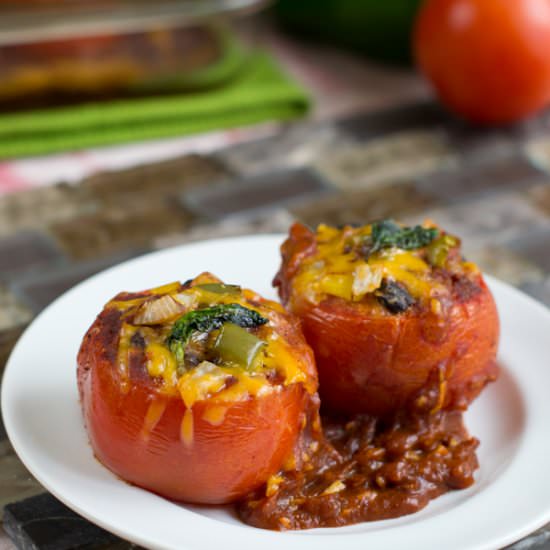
[(384, 306), (387, 267), (206, 339), (174, 378)]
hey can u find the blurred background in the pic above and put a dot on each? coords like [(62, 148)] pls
[(127, 126)]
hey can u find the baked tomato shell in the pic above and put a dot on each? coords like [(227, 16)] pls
[(136, 432), (372, 362)]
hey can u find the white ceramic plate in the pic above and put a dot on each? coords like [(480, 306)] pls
[(41, 411)]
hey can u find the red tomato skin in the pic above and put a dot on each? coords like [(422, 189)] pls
[(489, 61), (224, 462), (375, 364)]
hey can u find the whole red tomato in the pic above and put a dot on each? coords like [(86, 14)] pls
[(489, 60)]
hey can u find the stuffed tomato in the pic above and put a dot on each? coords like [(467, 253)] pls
[(387, 308), (197, 392)]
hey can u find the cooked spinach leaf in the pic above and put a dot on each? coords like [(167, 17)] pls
[(387, 233), (206, 320)]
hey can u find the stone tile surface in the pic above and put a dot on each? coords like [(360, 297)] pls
[(539, 196), (534, 246), (402, 155), (488, 220), (26, 251), (539, 540), (393, 201), (8, 338), (34, 209), (538, 150), (505, 264), (16, 482), (154, 184), (13, 312), (37, 290), (400, 119), (540, 290), (260, 192), (294, 146), (116, 230), (44, 522), (513, 171), (276, 221)]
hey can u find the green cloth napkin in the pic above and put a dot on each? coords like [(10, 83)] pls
[(260, 91)]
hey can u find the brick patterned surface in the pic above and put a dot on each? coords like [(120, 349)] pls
[(37, 289), (256, 193), (44, 522), (26, 251), (413, 162)]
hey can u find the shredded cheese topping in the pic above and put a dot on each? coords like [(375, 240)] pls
[(342, 266)]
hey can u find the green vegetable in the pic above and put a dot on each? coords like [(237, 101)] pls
[(387, 233), (380, 28), (206, 320), (220, 288), (236, 345), (438, 250)]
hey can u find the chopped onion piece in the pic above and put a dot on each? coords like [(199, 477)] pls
[(187, 300), (158, 311), (365, 279)]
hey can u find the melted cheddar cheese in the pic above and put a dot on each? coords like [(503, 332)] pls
[(343, 267)]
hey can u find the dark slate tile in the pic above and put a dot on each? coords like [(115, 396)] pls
[(16, 482), (539, 540), (511, 172), (291, 146), (389, 201), (119, 228), (534, 246), (400, 156), (472, 142), (540, 290), (8, 338), (502, 263), (26, 251), (256, 193), (34, 208), (13, 313), (540, 198), (152, 184), (3, 434), (43, 523), (276, 221), (495, 219), (37, 290), (407, 117)]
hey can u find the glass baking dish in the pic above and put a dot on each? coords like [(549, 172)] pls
[(104, 66), (38, 20), (54, 52)]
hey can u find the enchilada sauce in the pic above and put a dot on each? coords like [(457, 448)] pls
[(364, 468)]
